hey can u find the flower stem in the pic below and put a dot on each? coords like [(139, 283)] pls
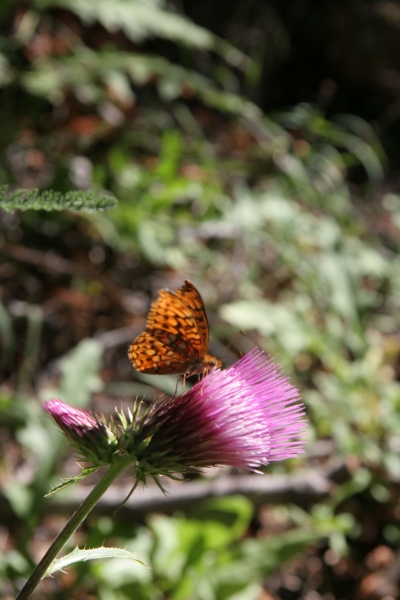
[(77, 518)]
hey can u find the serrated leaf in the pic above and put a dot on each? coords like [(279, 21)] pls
[(78, 555), (50, 200), (67, 482)]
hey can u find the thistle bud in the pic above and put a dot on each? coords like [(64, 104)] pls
[(94, 441)]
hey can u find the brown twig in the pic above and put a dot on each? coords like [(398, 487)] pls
[(303, 489)]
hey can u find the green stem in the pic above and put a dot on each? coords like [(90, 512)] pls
[(79, 515)]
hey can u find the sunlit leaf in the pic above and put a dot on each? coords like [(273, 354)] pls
[(78, 555)]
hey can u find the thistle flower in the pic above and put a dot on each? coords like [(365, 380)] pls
[(86, 431), (245, 416)]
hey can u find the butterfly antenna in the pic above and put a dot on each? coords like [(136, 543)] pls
[(239, 333)]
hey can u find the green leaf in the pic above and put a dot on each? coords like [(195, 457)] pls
[(343, 298), (50, 200), (13, 561), (78, 555), (20, 497), (67, 482), (81, 373), (270, 320), (223, 520), (259, 558)]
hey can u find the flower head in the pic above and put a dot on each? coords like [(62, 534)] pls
[(244, 416), (85, 430)]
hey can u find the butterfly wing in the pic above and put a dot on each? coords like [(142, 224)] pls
[(173, 319), (193, 301), (150, 355), (171, 342), (191, 297), (176, 337)]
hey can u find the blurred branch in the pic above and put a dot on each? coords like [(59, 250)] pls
[(304, 488), (46, 261)]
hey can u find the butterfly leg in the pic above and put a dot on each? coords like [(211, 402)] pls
[(176, 387), (183, 382)]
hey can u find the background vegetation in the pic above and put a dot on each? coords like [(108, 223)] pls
[(254, 150)]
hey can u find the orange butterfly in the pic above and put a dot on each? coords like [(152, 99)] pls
[(176, 337)]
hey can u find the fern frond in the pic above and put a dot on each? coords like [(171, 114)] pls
[(143, 19), (51, 77), (50, 200)]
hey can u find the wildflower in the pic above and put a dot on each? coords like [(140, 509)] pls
[(245, 416), (85, 431)]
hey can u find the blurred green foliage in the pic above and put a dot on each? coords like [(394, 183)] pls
[(203, 556)]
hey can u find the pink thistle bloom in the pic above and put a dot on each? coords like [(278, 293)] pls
[(85, 430), (244, 416)]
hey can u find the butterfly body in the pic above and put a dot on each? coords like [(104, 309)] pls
[(176, 337)]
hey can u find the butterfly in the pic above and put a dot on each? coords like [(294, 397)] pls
[(176, 336)]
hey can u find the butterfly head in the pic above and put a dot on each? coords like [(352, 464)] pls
[(208, 364)]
